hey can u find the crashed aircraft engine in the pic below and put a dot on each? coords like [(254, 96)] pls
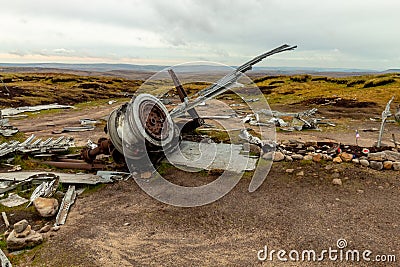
[(143, 130)]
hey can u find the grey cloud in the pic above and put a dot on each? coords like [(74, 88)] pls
[(363, 31)]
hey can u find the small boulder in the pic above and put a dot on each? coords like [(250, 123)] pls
[(378, 156), (311, 148), (337, 181), (15, 243), (300, 173), (346, 157), (268, 155), (289, 170), (337, 160), (302, 152), (326, 157), (45, 229), (254, 149), (297, 157), (396, 166), (356, 161), (311, 143), (20, 226), (364, 162), (387, 165), (308, 157), (288, 158), (55, 228), (145, 175), (317, 157), (47, 207), (278, 156), (376, 165), (24, 233)]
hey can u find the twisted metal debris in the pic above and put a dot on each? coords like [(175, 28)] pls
[(38, 146)]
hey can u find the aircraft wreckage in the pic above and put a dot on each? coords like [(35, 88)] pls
[(143, 130)]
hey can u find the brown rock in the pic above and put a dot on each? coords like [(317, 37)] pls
[(308, 157), (326, 157), (45, 229), (279, 156), (15, 243), (145, 175), (337, 160), (297, 157), (288, 158), (20, 226), (255, 150), (337, 181), (387, 165), (396, 166), (346, 157), (289, 170), (317, 157), (24, 233), (364, 162), (311, 143), (376, 165), (378, 156), (55, 228), (46, 207)]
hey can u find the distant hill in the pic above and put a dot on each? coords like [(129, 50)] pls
[(392, 71), (131, 70)]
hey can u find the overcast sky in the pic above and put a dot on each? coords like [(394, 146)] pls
[(340, 33)]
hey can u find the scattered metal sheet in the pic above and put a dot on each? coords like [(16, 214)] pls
[(4, 260), (14, 168), (80, 191), (215, 117), (88, 121), (15, 111), (29, 146), (9, 185), (370, 130), (5, 219), (66, 203), (245, 135), (113, 176), (79, 128), (385, 114), (38, 146), (6, 129), (13, 200), (45, 189), (65, 178), (251, 100), (212, 156)]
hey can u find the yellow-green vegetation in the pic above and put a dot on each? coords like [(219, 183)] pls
[(92, 188), (46, 88), (28, 163), (7, 210), (296, 89), (16, 137)]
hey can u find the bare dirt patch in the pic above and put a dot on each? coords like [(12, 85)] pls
[(287, 212)]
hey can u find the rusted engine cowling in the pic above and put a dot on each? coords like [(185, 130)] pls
[(143, 127)]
